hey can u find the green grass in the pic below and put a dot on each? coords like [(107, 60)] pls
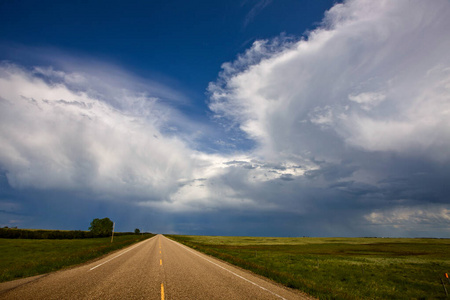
[(339, 268), (22, 257)]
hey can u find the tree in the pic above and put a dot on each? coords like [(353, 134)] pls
[(137, 231), (101, 227)]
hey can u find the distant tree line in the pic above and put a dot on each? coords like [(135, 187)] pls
[(10, 233), (99, 228)]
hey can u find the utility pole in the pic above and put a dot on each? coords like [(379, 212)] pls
[(112, 236)]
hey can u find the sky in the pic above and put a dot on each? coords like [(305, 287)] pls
[(242, 117)]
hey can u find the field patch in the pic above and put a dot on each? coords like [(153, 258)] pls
[(28, 257), (339, 268)]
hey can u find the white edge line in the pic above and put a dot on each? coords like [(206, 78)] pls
[(188, 249), (139, 244)]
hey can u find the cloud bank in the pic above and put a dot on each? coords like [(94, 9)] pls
[(75, 132), (56, 137), (350, 125)]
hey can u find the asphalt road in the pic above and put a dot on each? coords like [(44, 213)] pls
[(157, 268)]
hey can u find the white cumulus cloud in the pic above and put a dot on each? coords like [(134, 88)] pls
[(375, 74)]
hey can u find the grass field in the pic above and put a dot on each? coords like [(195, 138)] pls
[(23, 257), (339, 268)]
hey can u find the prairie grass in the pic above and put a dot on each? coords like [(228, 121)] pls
[(339, 268), (28, 257)]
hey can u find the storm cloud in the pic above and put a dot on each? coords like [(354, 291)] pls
[(363, 101)]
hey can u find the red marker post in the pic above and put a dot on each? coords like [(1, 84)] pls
[(443, 284)]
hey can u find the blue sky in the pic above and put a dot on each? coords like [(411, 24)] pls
[(251, 117)]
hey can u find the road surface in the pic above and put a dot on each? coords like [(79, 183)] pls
[(157, 268)]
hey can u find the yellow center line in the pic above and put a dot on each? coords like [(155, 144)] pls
[(162, 291), (160, 262)]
